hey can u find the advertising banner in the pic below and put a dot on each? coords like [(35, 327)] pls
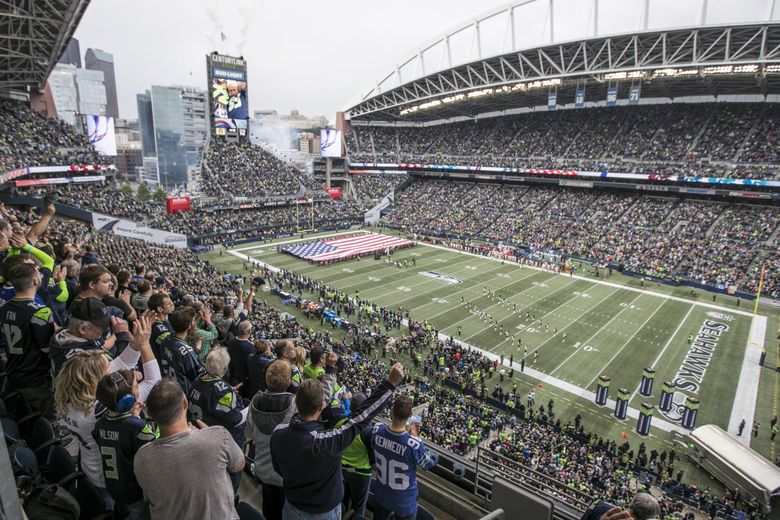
[(177, 204), (100, 131), (228, 92), (552, 100), (59, 180), (125, 228)]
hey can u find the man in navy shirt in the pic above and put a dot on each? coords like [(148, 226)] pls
[(398, 450), (177, 358)]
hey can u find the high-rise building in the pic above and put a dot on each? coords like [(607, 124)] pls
[(92, 92), (76, 92), (72, 54), (146, 123), (180, 129), (96, 59), (62, 83)]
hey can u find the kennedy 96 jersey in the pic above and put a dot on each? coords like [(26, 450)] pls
[(397, 456)]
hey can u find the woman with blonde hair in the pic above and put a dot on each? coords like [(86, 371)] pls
[(74, 394), (297, 363)]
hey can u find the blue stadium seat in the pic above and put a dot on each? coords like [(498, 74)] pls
[(10, 430), (42, 438)]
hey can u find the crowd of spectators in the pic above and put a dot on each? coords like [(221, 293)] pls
[(458, 415), (705, 139), (706, 242), (372, 187), (28, 138), (247, 170)]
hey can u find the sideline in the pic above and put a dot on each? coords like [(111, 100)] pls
[(745, 397)]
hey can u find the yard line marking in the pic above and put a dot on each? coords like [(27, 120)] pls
[(512, 314), (465, 289), (548, 314), (573, 322), (663, 350), (625, 344), (595, 334), (601, 282), (482, 296)]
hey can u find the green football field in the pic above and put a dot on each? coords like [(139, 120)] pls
[(575, 328)]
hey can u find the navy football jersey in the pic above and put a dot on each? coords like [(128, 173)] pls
[(178, 360), (160, 331), (119, 438), (27, 326), (214, 401)]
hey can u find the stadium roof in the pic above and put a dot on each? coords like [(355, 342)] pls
[(33, 35), (514, 56)]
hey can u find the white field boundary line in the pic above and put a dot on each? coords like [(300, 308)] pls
[(543, 317), (574, 390), (613, 318), (609, 284), (668, 342), (745, 397), (616, 354), (511, 313), (572, 322)]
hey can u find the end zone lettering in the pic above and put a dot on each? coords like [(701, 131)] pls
[(694, 366)]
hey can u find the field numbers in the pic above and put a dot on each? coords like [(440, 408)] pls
[(470, 267), (632, 307), (347, 270), (374, 279), (415, 254), (584, 295), (442, 260), (540, 284), (586, 348), (439, 300), (503, 275), (404, 289), (525, 328)]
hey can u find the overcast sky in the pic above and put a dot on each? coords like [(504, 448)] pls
[(316, 56)]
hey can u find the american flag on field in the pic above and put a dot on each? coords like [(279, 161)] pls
[(337, 248)]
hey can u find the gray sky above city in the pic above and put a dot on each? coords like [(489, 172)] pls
[(316, 56)]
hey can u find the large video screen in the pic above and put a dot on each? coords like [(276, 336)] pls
[(100, 130), (228, 91), (330, 143)]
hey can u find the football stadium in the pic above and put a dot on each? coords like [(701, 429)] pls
[(528, 270)]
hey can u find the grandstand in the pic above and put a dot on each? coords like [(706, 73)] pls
[(537, 229)]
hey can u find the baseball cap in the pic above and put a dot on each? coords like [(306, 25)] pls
[(91, 310)]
